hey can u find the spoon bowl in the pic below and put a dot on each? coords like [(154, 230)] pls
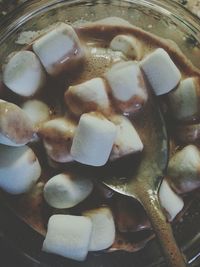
[(144, 184)]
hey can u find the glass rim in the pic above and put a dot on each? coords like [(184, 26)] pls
[(28, 10)]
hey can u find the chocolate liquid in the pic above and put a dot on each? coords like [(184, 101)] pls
[(96, 38)]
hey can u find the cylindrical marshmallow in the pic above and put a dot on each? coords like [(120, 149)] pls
[(19, 169), (57, 135), (88, 96), (170, 201), (23, 74), (128, 45), (37, 111), (127, 141), (127, 86), (66, 190), (184, 169), (160, 71), (59, 49), (93, 140), (68, 236), (184, 101), (16, 129), (103, 230)]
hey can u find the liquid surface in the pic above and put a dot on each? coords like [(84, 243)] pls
[(99, 58)]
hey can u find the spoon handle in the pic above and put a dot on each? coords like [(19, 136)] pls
[(162, 228)]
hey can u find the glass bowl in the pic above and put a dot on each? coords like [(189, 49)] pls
[(165, 18)]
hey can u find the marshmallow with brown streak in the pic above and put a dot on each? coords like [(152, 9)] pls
[(128, 45), (170, 201), (24, 74), (57, 135), (93, 140), (184, 101), (103, 230), (66, 190), (161, 72), (88, 96), (59, 50), (68, 236), (16, 129), (19, 169), (127, 86), (127, 141), (37, 111), (184, 169)]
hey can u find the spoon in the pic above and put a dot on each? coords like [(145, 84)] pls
[(143, 184)]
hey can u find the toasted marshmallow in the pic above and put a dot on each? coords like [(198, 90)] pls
[(128, 45), (184, 169), (88, 96), (127, 86), (127, 140), (19, 169), (23, 74), (170, 201), (161, 72), (59, 49), (16, 129), (66, 191), (103, 230), (184, 100), (57, 135), (37, 111), (68, 236), (93, 140)]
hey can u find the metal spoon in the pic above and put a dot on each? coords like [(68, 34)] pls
[(143, 184)]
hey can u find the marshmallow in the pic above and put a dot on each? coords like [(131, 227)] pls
[(103, 230), (184, 100), (127, 86), (66, 191), (23, 74), (184, 169), (170, 201), (128, 45), (93, 140), (161, 72), (127, 140), (57, 135), (16, 129), (88, 96), (19, 169), (68, 236), (37, 111), (59, 49)]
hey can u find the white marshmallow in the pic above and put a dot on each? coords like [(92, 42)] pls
[(128, 45), (127, 85), (103, 230), (88, 96), (184, 100), (19, 169), (127, 140), (68, 236), (170, 201), (184, 169), (37, 111), (16, 129), (57, 135), (59, 49), (23, 74), (93, 139), (161, 72), (66, 191)]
